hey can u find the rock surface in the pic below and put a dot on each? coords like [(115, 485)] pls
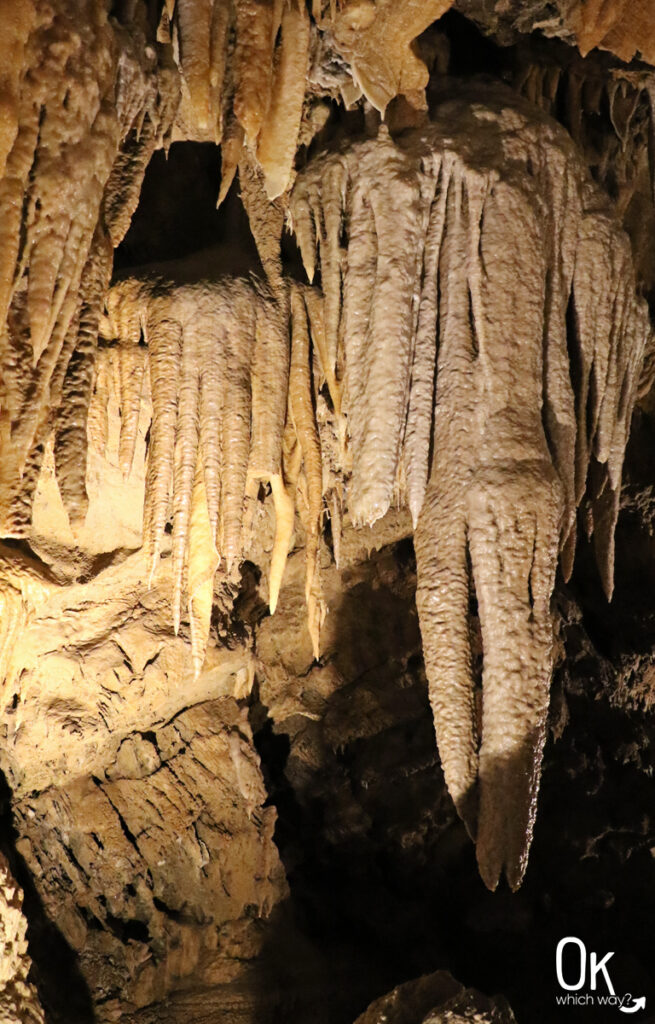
[(436, 999), (267, 835)]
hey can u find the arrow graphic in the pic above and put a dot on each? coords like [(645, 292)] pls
[(639, 1004)]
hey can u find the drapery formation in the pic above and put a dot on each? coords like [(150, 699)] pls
[(482, 324), (474, 354)]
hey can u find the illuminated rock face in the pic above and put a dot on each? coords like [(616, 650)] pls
[(18, 999), (198, 456), (479, 264)]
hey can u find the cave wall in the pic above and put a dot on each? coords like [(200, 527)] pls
[(263, 830)]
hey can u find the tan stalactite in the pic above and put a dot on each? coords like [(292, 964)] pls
[(203, 562), (278, 139), (270, 364), (422, 384), (218, 356), (315, 311), (131, 374), (222, 18), (98, 420), (81, 133), (375, 37), (284, 521), (164, 336), (455, 406), (194, 20), (237, 427), (304, 421), (231, 151), (186, 447), (257, 23), (71, 179), (71, 422)]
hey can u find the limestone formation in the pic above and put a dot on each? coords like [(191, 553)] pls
[(460, 401), (393, 386), (19, 1002), (436, 999)]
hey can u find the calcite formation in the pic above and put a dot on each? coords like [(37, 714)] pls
[(459, 362), (218, 361), (436, 999), (452, 371), (482, 318)]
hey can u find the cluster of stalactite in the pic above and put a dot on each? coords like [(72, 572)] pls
[(474, 351), (84, 101), (484, 334), (581, 95), (218, 363), (244, 68), (232, 408), (81, 116), (245, 65), (487, 383)]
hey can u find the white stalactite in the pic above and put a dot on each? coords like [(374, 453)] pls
[(459, 397)]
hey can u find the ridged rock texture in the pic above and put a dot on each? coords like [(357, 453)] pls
[(218, 370), (422, 334), (488, 383)]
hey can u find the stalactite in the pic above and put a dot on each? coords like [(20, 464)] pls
[(203, 562), (257, 24), (90, 112), (194, 21), (231, 150), (302, 418), (71, 423), (278, 139), (98, 418), (218, 370), (462, 266), (456, 404)]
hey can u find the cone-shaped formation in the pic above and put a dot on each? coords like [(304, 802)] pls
[(244, 68), (84, 115), (218, 366), (480, 311)]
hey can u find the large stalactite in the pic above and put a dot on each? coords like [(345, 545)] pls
[(488, 384), (468, 346)]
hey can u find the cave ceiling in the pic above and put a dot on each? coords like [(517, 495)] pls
[(326, 501)]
